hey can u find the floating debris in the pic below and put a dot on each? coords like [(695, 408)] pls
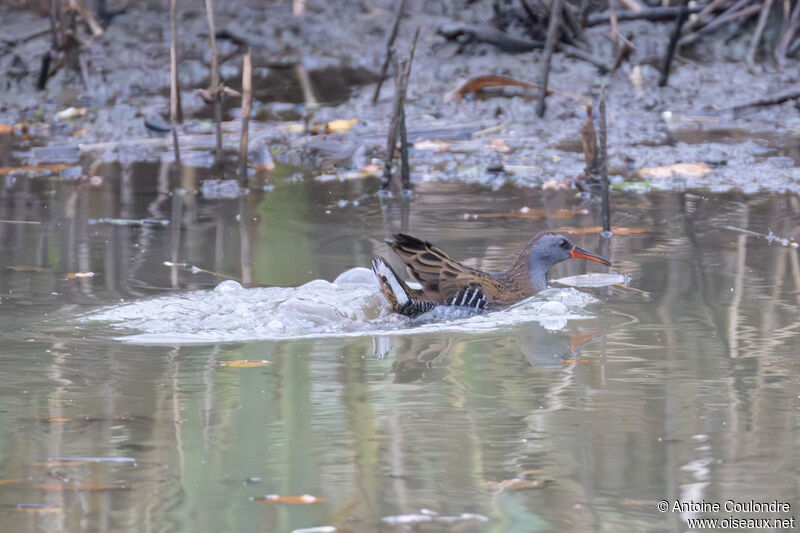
[(91, 460), (80, 487), (38, 508), (243, 363), (426, 515), (594, 280), (129, 222), (305, 499), (770, 237)]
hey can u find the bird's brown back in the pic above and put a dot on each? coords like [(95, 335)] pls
[(447, 281)]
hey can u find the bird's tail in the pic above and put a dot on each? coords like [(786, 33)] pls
[(401, 297)]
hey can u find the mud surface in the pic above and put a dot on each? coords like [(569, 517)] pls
[(494, 138)]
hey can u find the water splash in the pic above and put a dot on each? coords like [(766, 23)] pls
[(350, 306)]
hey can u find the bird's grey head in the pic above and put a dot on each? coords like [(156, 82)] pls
[(548, 250)]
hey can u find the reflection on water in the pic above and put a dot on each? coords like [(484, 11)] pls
[(682, 384)]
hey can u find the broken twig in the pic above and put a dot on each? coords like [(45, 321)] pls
[(212, 44), (673, 42), (398, 14), (398, 114), (549, 46)]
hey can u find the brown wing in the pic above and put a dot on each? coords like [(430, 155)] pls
[(444, 280)]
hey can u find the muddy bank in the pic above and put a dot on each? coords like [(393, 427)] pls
[(493, 137)]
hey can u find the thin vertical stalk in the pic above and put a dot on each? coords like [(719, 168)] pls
[(247, 99), (604, 165), (175, 111), (212, 44)]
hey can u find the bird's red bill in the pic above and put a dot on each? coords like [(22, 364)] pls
[(580, 253)]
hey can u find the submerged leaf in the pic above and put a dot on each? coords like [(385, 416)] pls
[(691, 170), (243, 363), (28, 268), (305, 499)]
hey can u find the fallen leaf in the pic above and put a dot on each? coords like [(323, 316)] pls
[(71, 112), (5, 129), (4, 171), (478, 83), (10, 481), (691, 170), (243, 363), (498, 145), (56, 419), (617, 230), (554, 184), (429, 145), (339, 125), (305, 499)]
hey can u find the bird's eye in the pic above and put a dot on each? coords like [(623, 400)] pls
[(564, 243)]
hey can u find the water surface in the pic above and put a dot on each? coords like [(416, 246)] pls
[(681, 385)]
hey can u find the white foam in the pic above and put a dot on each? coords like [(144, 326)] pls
[(350, 306)]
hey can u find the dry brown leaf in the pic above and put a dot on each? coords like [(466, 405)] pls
[(498, 145), (5, 129), (56, 419), (478, 83), (37, 508), (305, 499), (617, 230), (243, 363), (10, 481), (691, 170), (554, 184), (4, 171), (26, 268)]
